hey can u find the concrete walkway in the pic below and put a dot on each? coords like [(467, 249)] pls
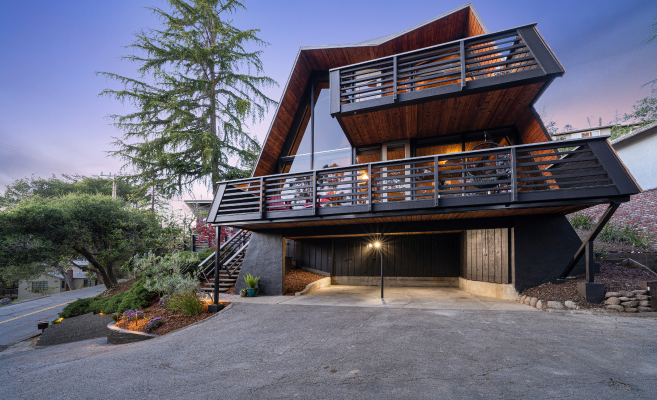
[(18, 321), (406, 297)]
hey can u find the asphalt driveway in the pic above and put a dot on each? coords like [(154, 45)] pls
[(282, 351), (18, 321)]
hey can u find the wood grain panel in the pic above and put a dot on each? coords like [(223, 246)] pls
[(487, 110), (455, 25)]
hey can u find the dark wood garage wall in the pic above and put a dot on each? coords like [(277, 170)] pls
[(485, 255), (430, 255)]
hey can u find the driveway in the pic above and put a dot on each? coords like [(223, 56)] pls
[(283, 351), (26, 314)]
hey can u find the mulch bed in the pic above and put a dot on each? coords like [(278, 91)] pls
[(173, 320), (615, 276), (117, 289), (296, 280)]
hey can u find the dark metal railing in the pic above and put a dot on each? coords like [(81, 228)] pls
[(556, 170), (441, 69)]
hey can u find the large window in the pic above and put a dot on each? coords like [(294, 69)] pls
[(40, 287), (320, 141)]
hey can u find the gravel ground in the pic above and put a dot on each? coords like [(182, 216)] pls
[(615, 276), (282, 351)]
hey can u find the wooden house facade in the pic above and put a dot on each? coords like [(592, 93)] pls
[(426, 141)]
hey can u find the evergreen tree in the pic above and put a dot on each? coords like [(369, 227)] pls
[(200, 85)]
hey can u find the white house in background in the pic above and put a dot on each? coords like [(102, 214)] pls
[(638, 151), (53, 282), (589, 132)]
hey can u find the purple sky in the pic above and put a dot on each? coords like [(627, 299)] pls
[(51, 50)]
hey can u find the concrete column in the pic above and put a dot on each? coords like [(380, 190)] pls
[(265, 257)]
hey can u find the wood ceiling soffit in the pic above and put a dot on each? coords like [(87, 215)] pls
[(453, 26)]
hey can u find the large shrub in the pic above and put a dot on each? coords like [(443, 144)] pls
[(162, 273), (78, 307), (135, 298)]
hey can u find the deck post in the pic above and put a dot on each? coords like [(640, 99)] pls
[(594, 234), (590, 262), (215, 306), (394, 78), (262, 196), (314, 192), (369, 187), (436, 182), (514, 176), (462, 51)]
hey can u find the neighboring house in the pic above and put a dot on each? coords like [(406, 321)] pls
[(589, 132), (53, 282), (638, 151), (200, 209), (427, 143)]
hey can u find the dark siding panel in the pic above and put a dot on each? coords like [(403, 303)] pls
[(486, 255)]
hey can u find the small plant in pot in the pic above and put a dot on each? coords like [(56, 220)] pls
[(252, 283)]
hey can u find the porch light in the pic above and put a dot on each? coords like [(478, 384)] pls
[(364, 176), (377, 244)]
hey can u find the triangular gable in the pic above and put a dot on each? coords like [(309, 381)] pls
[(456, 24)]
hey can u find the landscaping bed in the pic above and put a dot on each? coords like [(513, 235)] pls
[(616, 277), (173, 320), (296, 280)]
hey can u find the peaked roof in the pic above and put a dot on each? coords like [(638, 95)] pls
[(456, 24), (637, 134)]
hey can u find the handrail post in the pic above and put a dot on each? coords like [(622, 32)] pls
[(436, 182), (369, 187), (314, 192), (394, 78), (262, 196), (514, 176), (462, 64)]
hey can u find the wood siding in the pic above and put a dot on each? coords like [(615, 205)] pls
[(485, 255), (429, 255), (479, 111), (458, 24)]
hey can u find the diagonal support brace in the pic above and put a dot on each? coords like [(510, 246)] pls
[(588, 243)]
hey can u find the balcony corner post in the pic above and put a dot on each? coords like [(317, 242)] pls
[(436, 182), (262, 197), (369, 187), (514, 176), (462, 64), (314, 192), (394, 79)]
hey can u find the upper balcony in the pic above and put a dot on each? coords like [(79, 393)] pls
[(560, 176), (513, 57)]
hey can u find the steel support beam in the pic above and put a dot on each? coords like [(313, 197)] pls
[(589, 243)]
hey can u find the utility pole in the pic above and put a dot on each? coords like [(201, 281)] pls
[(113, 177)]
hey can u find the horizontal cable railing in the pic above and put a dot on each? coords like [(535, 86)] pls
[(452, 64), (500, 174)]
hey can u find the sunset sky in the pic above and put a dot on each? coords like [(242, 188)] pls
[(52, 120)]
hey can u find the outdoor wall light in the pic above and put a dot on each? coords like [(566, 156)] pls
[(364, 176), (377, 244), (369, 245)]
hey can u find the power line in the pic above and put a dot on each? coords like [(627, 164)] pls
[(41, 155)]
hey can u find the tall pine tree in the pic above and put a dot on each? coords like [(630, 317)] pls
[(200, 85)]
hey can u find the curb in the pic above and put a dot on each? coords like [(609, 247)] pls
[(314, 286), (123, 336)]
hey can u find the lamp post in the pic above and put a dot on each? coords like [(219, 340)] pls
[(377, 244)]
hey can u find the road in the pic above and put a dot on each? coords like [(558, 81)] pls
[(26, 327), (283, 351)]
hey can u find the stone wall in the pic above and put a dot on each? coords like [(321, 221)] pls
[(634, 301), (641, 211)]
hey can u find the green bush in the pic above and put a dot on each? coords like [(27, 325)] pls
[(135, 298), (187, 302), (613, 232), (581, 221), (78, 307)]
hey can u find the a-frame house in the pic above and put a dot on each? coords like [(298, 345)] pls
[(426, 141)]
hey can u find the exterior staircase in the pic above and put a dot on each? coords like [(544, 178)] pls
[(231, 254)]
